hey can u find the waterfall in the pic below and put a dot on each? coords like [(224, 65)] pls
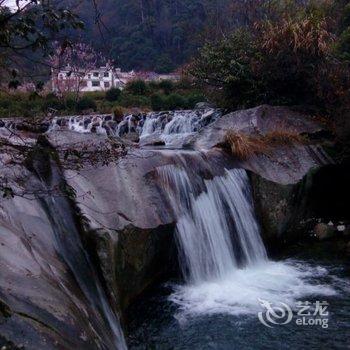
[(217, 230), (221, 253)]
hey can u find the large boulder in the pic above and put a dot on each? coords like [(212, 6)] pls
[(50, 293), (281, 178), (262, 119), (127, 218)]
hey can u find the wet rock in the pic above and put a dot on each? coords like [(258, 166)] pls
[(87, 121), (323, 231), (159, 143), (275, 207), (123, 129), (132, 136), (113, 125), (204, 105), (262, 120), (118, 117), (133, 258), (44, 305)]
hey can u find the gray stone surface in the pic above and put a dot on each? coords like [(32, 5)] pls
[(120, 212)]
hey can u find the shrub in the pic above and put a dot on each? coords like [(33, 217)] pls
[(129, 100), (96, 95), (158, 102), (243, 146), (118, 113), (54, 103), (167, 86), (113, 94), (194, 98), (137, 87), (289, 60), (85, 103), (174, 101)]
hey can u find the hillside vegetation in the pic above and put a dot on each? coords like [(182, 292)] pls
[(162, 35)]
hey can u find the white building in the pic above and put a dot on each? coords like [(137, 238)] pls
[(98, 79), (69, 79)]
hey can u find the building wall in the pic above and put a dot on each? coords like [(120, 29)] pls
[(101, 79)]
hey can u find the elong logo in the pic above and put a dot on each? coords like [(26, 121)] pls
[(308, 314)]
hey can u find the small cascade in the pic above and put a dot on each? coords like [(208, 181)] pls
[(217, 230), (167, 126), (82, 124), (173, 127)]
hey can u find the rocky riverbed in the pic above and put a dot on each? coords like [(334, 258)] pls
[(86, 226)]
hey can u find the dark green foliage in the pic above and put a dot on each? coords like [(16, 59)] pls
[(53, 103), (26, 34), (154, 95), (130, 100), (113, 94), (193, 98), (164, 64), (161, 35), (175, 101), (157, 102), (167, 86), (137, 87), (290, 60), (85, 103)]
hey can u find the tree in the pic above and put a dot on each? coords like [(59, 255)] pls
[(288, 59), (27, 30), (137, 87), (78, 59), (113, 94)]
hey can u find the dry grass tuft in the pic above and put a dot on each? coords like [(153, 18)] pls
[(283, 138), (245, 146)]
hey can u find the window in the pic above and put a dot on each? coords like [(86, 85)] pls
[(89, 76), (95, 74), (106, 74), (107, 85), (95, 83)]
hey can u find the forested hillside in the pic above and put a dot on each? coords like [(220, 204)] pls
[(161, 35)]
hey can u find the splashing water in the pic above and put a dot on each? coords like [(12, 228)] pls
[(222, 255)]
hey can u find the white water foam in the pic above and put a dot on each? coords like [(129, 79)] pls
[(222, 255), (239, 293)]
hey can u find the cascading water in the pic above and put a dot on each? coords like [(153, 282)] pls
[(174, 127), (170, 127), (209, 223), (222, 255)]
